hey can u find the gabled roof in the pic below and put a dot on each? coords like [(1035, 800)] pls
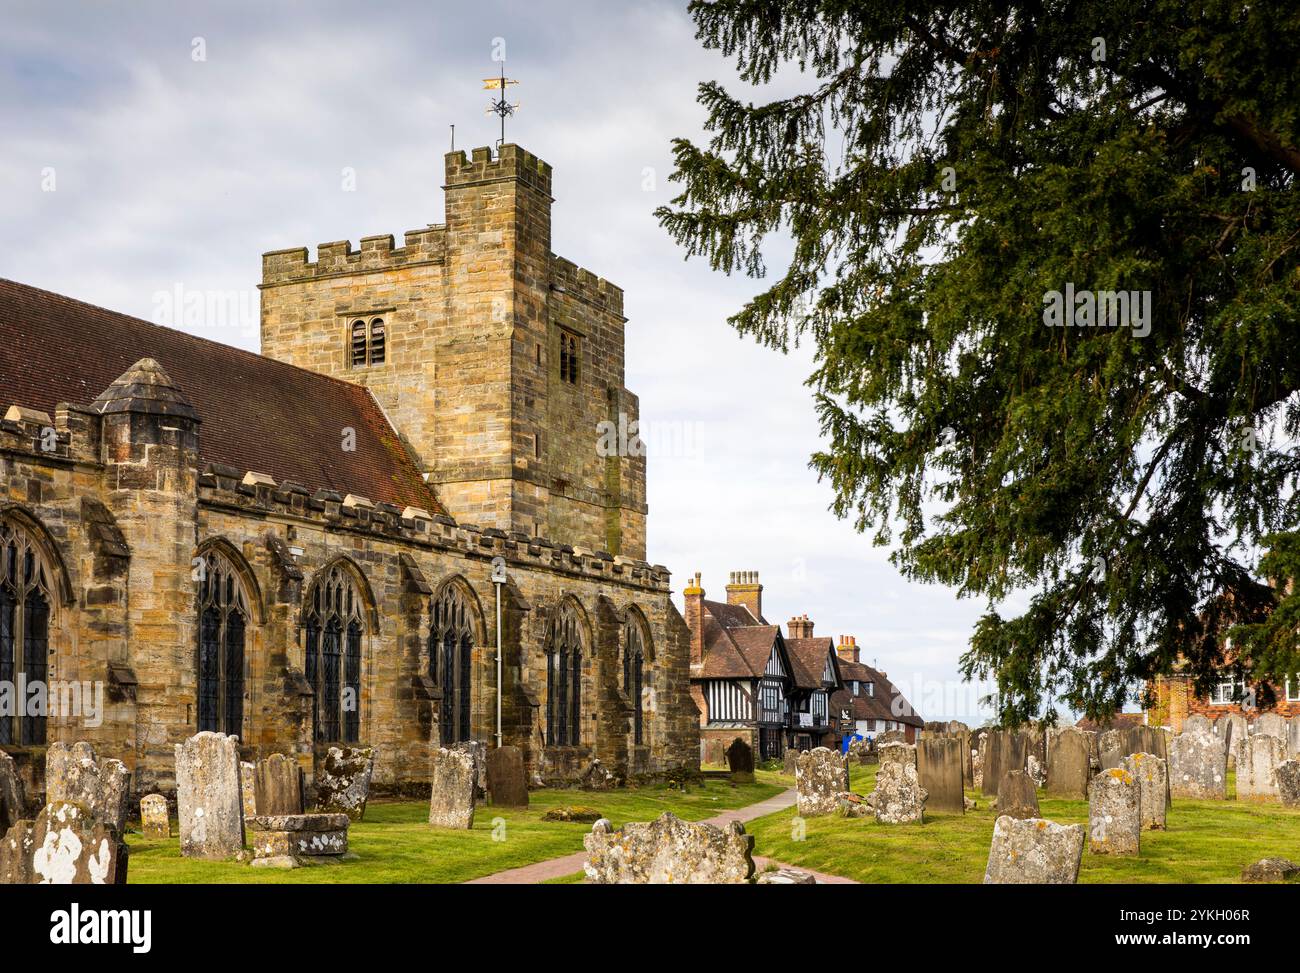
[(739, 653), (879, 706), (255, 413), (809, 658), (730, 616)]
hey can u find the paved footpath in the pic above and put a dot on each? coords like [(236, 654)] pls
[(569, 864)]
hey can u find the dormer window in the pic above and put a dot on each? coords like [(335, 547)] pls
[(570, 357), (367, 345)]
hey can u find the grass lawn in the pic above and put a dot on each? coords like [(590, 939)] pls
[(1206, 841), (395, 843)]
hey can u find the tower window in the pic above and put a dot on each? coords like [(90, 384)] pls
[(367, 342), (570, 356)]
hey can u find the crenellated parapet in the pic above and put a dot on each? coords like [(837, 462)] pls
[(338, 258), (510, 163), (568, 278)]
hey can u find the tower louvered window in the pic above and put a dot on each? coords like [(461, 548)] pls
[(367, 342), (223, 621), (358, 343), (335, 630), (451, 653), (25, 601), (564, 681)]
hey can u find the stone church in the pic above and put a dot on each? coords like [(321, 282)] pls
[(299, 547)]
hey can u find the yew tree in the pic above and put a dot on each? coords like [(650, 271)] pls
[(912, 180)]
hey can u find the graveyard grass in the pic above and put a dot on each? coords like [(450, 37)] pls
[(1206, 842), (395, 844)]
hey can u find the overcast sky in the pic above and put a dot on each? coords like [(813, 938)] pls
[(167, 168)]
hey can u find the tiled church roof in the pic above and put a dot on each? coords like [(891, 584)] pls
[(256, 413)]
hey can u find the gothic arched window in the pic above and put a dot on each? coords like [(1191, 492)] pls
[(25, 601), (634, 678), (223, 621), (451, 654), (335, 627), (564, 680)]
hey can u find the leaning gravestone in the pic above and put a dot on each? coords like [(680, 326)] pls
[(740, 761), (1288, 783), (71, 846), (451, 796), (154, 819), (899, 797), (1034, 852), (506, 781), (16, 849), (1198, 765), (668, 851), (1067, 763), (820, 777), (277, 787), (1114, 813), (1152, 776), (477, 750), (1018, 797), (209, 800), (343, 784), (13, 802), (101, 787), (1257, 764), (939, 769)]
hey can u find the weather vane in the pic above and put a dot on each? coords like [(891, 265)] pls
[(500, 106)]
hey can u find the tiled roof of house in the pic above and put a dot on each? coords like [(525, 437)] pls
[(739, 652), (808, 659), (879, 706), (731, 616), (256, 413)]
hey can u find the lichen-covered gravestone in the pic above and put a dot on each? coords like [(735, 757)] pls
[(343, 784), (477, 751), (1114, 813), (1293, 738), (451, 796), (1288, 783), (669, 851), (290, 840), (277, 786), (820, 777), (13, 802), (1198, 765), (154, 820), (1068, 769), (1257, 764), (70, 846), (1034, 852), (1152, 776), (939, 769), (248, 787), (1233, 728), (209, 800), (1271, 724), (899, 797), (740, 761), (100, 786), (16, 847), (1018, 797), (507, 781)]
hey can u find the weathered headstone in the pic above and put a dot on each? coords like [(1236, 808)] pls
[(209, 801), (451, 797), (71, 846), (13, 802), (1273, 725), (1233, 728), (939, 770), (1068, 769), (1288, 783), (1293, 738), (1033, 851), (248, 787), (740, 761), (1198, 765), (1152, 776), (899, 797), (16, 849), (788, 761), (288, 840), (155, 821), (669, 851), (343, 784), (1257, 764), (597, 777), (820, 777), (1110, 748), (102, 787), (1270, 870), (507, 783), (1018, 797), (1114, 813), (277, 787), (477, 750)]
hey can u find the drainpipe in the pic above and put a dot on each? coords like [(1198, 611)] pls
[(498, 579)]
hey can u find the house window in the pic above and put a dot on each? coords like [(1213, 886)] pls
[(223, 621), (871, 688), (25, 601), (570, 356), (564, 680), (1227, 692), (451, 653), (335, 626), (1292, 690), (367, 342), (633, 675)]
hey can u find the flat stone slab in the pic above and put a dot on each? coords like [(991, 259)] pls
[(307, 844), (299, 822)]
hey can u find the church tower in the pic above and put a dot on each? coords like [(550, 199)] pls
[(499, 364)]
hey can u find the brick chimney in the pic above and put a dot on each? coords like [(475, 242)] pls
[(744, 589), (847, 650), (694, 595), (799, 627)]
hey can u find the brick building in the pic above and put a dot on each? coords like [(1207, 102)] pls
[(1174, 698), (297, 547)]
